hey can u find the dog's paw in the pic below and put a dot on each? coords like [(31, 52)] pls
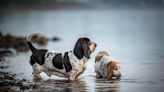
[(37, 77), (77, 78)]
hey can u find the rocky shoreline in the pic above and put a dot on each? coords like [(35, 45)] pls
[(19, 44), (8, 83)]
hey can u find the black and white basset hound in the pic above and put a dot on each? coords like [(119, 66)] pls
[(69, 65)]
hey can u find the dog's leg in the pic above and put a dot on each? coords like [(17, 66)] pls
[(98, 74), (77, 76), (71, 75), (36, 71), (48, 72), (37, 77), (81, 72)]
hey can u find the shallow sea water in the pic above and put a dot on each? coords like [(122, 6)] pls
[(132, 36)]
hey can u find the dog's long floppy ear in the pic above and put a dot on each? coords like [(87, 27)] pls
[(110, 69), (86, 50), (81, 48)]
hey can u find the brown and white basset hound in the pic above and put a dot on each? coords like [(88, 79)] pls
[(70, 64), (106, 67)]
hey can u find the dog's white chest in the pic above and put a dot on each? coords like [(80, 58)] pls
[(77, 63)]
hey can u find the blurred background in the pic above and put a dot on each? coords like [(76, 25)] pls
[(81, 3), (132, 31)]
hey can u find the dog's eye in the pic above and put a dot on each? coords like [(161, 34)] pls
[(116, 69)]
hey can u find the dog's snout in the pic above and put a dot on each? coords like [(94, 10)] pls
[(94, 44), (119, 75), (116, 73)]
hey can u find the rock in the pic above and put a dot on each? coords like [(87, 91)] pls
[(4, 53), (40, 39), (55, 39), (9, 41), (8, 83), (24, 87)]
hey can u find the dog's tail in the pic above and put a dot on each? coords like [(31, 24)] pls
[(28, 40)]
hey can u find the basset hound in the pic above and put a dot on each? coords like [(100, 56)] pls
[(106, 67), (70, 64)]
